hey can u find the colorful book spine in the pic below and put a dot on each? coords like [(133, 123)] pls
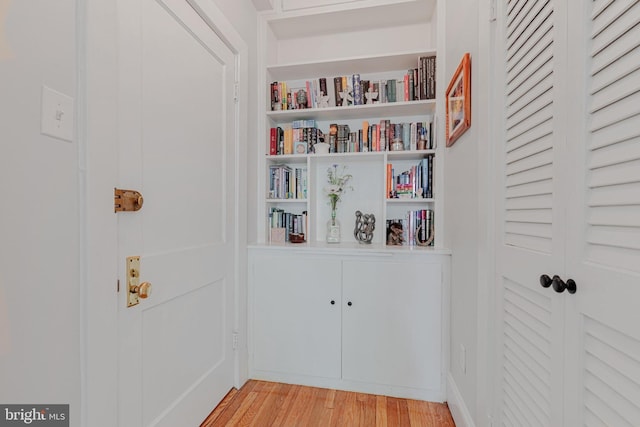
[(430, 187), (288, 141), (431, 77), (388, 190), (406, 87), (345, 88), (337, 86), (273, 141), (357, 89), (323, 86), (376, 91), (365, 136), (283, 96), (406, 135), (308, 88), (391, 90), (303, 123), (274, 95)]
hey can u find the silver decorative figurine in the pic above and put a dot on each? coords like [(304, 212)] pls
[(365, 224)]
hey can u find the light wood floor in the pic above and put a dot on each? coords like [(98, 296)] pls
[(264, 404)]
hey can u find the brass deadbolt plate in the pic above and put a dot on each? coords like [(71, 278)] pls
[(133, 280)]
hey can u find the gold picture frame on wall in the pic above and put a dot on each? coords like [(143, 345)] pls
[(458, 101)]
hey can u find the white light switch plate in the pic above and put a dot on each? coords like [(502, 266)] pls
[(57, 114)]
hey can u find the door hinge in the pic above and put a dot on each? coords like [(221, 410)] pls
[(236, 90), (235, 341), (493, 11)]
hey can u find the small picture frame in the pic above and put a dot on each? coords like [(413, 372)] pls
[(458, 101), (300, 147)]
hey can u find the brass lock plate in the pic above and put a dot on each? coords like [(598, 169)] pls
[(133, 280), (126, 200)]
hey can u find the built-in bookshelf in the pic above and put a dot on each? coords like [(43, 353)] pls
[(394, 182), (329, 288)]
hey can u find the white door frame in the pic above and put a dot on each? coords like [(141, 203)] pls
[(485, 65), (97, 29)]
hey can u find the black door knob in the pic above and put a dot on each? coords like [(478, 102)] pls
[(559, 285), (545, 281), (333, 302), (349, 304)]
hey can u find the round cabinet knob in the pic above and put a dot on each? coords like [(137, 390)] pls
[(333, 302), (349, 303), (545, 281), (144, 289), (559, 285)]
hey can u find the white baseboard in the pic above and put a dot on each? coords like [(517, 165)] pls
[(459, 411)]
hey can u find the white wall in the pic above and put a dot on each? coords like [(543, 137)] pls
[(466, 207), (469, 212), (39, 211)]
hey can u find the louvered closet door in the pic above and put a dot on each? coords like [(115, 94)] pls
[(603, 251), (532, 158)]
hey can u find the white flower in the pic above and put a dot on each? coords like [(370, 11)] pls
[(337, 184), (334, 189)]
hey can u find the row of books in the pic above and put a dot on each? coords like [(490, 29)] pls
[(417, 83), (380, 137), (287, 183), (311, 94), (426, 73), (415, 229), (300, 138), (416, 182), (353, 90), (283, 224)]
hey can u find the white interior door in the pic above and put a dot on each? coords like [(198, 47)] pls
[(177, 147), (602, 362), (532, 226)]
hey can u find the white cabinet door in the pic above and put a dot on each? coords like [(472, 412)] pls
[(296, 314), (392, 323)]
